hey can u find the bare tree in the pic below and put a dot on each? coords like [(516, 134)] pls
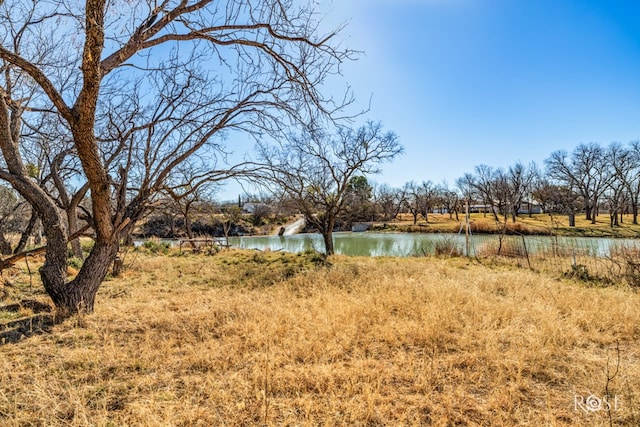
[(191, 69), (557, 199), (48, 146), (429, 196), (490, 184), (314, 169), (194, 181), (11, 212), (625, 163), (413, 199), (620, 189), (389, 200), (541, 192), (231, 215), (519, 178), (587, 170), (449, 199), (466, 185)]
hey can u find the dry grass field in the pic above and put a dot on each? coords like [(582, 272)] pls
[(537, 224), (273, 339)]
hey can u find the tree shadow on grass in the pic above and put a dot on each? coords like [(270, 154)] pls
[(39, 323)]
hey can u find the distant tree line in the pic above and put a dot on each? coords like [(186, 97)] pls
[(590, 180)]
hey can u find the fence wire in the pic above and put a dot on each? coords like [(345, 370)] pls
[(609, 260)]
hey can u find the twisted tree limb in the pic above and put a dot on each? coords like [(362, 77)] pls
[(9, 262)]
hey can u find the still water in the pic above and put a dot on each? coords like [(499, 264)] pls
[(416, 244)]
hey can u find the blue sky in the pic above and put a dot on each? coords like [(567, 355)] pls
[(469, 82)]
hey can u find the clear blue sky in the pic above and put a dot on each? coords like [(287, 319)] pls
[(466, 82)]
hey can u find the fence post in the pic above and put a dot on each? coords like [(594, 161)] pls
[(526, 251), (466, 230)]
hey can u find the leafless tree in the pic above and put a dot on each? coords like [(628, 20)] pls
[(490, 185), (557, 199), (231, 216), (429, 197), (315, 168), (141, 87), (519, 182), (466, 185), (389, 201), (413, 200), (449, 199), (11, 217), (625, 164), (51, 161), (194, 181), (587, 170), (620, 189)]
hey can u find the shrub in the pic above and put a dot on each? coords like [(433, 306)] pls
[(75, 262), (447, 247), (579, 272), (155, 246), (317, 258), (627, 259)]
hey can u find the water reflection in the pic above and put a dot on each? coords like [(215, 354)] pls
[(415, 244), (359, 244)]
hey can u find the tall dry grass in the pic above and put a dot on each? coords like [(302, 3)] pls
[(245, 338), (536, 224)]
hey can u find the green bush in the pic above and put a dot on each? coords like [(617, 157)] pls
[(156, 247), (75, 262), (579, 272)]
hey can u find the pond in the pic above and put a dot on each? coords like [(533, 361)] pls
[(417, 244)]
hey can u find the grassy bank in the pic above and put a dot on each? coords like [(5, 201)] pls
[(538, 224), (247, 338)]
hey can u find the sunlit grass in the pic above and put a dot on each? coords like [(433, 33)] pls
[(250, 338), (536, 224)]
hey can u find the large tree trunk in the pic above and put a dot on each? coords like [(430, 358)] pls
[(54, 271), (187, 220), (79, 294), (326, 228), (72, 220), (327, 236)]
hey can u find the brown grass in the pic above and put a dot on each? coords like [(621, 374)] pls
[(502, 247), (244, 338), (537, 224)]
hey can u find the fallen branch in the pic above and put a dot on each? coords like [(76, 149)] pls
[(6, 263), (9, 262)]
